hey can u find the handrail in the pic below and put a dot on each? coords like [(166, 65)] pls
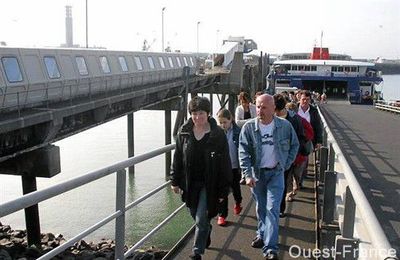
[(118, 168), (387, 107), (375, 231)]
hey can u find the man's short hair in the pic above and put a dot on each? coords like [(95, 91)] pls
[(280, 101), (199, 104), (306, 93)]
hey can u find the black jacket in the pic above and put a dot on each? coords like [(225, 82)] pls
[(295, 120), (218, 172), (316, 123)]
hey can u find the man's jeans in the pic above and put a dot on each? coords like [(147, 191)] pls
[(268, 194), (203, 229)]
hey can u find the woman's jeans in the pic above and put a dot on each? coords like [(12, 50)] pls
[(268, 194), (203, 229)]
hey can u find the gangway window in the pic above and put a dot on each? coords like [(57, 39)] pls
[(12, 69), (191, 61), (122, 63), (104, 64), (51, 66), (151, 62), (179, 62), (161, 62), (185, 61), (171, 64), (138, 63), (81, 64)]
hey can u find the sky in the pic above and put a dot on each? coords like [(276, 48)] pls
[(360, 28)]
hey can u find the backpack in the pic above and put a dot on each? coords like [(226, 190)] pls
[(309, 134)]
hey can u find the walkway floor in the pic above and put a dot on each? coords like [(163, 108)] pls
[(233, 241), (369, 139)]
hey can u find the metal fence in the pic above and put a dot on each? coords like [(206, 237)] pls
[(345, 203), (119, 215), (387, 106)]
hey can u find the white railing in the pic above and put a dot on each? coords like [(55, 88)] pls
[(385, 106), (119, 215)]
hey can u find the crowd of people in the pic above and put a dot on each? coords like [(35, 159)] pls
[(265, 146)]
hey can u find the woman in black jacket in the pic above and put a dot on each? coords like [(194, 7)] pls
[(201, 169)]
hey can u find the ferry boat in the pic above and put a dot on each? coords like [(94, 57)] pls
[(338, 79)]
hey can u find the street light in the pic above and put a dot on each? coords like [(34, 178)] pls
[(162, 28), (198, 23), (87, 41)]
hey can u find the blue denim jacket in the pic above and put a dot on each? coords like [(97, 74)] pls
[(286, 145)]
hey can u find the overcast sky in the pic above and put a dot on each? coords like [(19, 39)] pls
[(360, 28)]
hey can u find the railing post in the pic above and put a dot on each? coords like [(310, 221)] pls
[(331, 162), (329, 197), (120, 221), (349, 215), (167, 141), (323, 162), (325, 138)]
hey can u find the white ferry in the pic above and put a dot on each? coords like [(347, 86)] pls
[(339, 79)]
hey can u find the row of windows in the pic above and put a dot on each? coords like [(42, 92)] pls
[(304, 68), (345, 69), (13, 71)]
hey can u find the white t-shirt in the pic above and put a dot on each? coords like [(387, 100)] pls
[(305, 115), (268, 156)]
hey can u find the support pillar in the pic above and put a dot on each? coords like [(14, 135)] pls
[(31, 213), (131, 140), (167, 119)]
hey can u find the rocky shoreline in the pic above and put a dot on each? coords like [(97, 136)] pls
[(14, 245)]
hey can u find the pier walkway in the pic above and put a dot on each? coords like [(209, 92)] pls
[(233, 241), (370, 140)]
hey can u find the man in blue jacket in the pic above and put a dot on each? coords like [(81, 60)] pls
[(267, 147)]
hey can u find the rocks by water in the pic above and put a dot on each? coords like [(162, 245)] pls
[(14, 245)]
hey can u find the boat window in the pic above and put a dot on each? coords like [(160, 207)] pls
[(51, 66), (334, 69), (347, 69), (191, 60), (151, 62), (287, 67), (307, 68), (185, 61), (179, 62), (353, 69), (313, 68), (12, 69), (122, 63), (294, 67), (81, 64), (301, 67), (340, 69), (171, 64), (104, 64), (161, 62), (138, 63)]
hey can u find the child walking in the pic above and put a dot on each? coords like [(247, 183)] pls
[(232, 130)]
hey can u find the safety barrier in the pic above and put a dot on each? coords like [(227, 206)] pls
[(119, 215)]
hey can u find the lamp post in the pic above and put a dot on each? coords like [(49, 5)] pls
[(198, 23), (162, 29), (217, 40), (87, 41)]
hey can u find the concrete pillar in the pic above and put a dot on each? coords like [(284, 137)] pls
[(32, 213)]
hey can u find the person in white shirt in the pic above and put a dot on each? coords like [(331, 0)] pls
[(246, 110)]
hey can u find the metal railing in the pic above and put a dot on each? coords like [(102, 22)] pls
[(119, 215), (344, 201), (383, 105)]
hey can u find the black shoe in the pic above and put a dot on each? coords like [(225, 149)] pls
[(272, 255), (282, 215), (257, 242), (195, 257)]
